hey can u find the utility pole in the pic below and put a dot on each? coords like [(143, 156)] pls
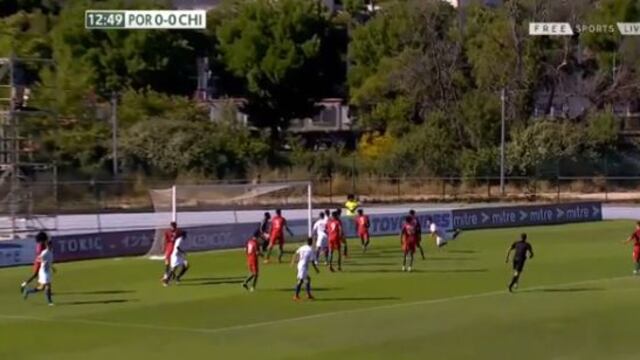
[(503, 96), (114, 132)]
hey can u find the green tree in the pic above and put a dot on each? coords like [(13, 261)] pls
[(602, 132), (115, 60), (170, 147), (542, 145), (277, 49)]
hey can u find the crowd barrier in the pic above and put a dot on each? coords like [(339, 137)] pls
[(228, 236)]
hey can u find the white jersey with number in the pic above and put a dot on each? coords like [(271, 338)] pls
[(177, 257), (46, 263), (306, 256), (320, 229)]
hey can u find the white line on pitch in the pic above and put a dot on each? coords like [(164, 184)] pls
[(301, 318)]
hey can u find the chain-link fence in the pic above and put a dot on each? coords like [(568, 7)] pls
[(42, 205), (124, 196)]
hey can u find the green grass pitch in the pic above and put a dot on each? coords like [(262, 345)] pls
[(577, 300)]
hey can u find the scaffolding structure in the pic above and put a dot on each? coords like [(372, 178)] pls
[(18, 171)]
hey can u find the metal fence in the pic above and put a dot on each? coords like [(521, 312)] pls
[(95, 206), (130, 196)]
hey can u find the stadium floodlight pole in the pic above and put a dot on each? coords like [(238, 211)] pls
[(502, 141), (174, 213), (114, 132), (309, 209)]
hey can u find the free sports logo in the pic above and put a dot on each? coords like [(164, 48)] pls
[(567, 29)]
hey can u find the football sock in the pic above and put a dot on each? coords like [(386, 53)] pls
[(299, 287), (514, 281), (410, 260), (404, 260), (47, 294), (638, 266), (33, 290), (421, 251), (308, 288), (255, 281), (182, 272), (280, 253), (33, 277)]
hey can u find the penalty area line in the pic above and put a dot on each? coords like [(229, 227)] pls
[(300, 318)]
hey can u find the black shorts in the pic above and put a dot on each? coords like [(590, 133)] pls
[(518, 264)]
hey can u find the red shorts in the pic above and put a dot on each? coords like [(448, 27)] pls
[(334, 245), (636, 254), (253, 266), (409, 246), (167, 257), (276, 239), (363, 234)]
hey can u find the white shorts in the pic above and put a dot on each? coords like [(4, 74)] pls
[(178, 260), (44, 277), (303, 273), (322, 242), (443, 238)]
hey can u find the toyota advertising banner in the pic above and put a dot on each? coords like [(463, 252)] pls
[(228, 236), (102, 245)]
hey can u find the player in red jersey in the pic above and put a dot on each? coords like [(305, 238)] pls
[(252, 251), (408, 240), (362, 226), (344, 238), (635, 237), (418, 226), (41, 239), (336, 238), (169, 240), (276, 236)]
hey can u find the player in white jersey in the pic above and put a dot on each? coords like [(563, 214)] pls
[(304, 256), (322, 240), (45, 273), (441, 236), (178, 258)]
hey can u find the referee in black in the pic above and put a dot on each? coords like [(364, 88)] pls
[(521, 249)]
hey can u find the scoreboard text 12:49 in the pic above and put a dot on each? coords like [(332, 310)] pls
[(145, 19)]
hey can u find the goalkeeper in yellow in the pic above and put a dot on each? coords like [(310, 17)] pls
[(351, 205)]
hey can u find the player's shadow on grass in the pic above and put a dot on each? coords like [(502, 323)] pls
[(373, 264), (358, 298), (419, 271), (218, 281), (213, 279), (94, 292), (289, 289), (567, 290), (97, 302), (457, 270), (462, 251), (450, 259)]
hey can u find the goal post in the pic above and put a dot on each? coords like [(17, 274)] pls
[(204, 205)]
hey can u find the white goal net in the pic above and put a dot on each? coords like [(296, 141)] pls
[(204, 205)]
